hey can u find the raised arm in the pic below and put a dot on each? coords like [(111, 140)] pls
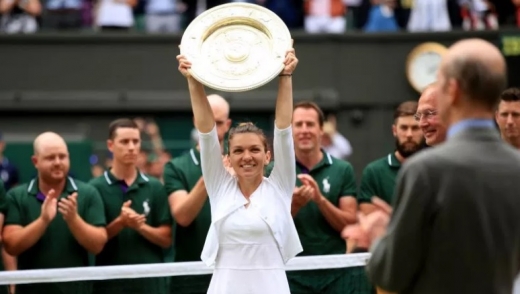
[(204, 120), (284, 170), (284, 101), (213, 169)]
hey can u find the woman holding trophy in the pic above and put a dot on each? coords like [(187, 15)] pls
[(252, 235)]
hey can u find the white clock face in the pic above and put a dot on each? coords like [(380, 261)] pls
[(423, 69)]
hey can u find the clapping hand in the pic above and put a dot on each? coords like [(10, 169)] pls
[(49, 206), (227, 165), (302, 195), (130, 218), (308, 181), (371, 226), (68, 207)]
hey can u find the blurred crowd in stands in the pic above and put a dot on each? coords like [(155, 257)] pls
[(313, 16)]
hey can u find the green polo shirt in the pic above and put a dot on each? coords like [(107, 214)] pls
[(182, 173), (57, 248), (3, 210), (3, 199), (129, 247), (378, 179), (336, 179)]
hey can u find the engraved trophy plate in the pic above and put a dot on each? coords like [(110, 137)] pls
[(236, 47)]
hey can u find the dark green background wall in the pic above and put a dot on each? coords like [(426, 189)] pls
[(76, 84)]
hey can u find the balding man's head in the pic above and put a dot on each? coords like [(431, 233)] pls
[(434, 130), (429, 96), (220, 108), (51, 157), (472, 74), (47, 139), (218, 104)]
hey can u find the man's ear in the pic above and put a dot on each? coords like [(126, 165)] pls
[(454, 92), (110, 145)]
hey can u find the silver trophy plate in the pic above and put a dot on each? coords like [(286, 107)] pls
[(236, 47)]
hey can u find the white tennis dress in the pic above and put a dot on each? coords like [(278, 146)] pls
[(250, 246), (248, 260)]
